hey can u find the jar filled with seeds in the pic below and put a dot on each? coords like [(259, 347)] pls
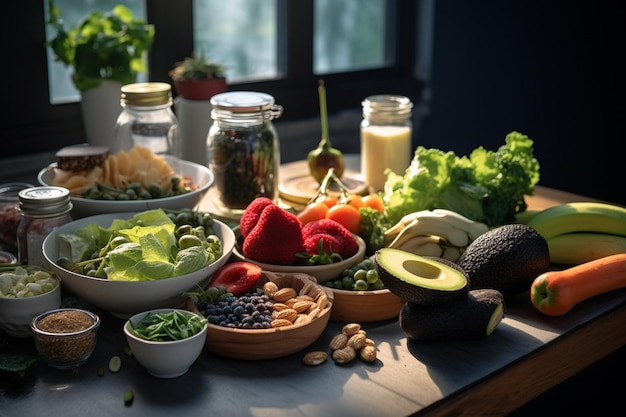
[(243, 150)]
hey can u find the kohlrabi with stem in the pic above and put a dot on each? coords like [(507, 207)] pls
[(324, 157)]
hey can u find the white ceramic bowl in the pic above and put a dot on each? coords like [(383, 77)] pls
[(60, 343), (125, 298), (16, 314), (322, 273), (83, 207), (166, 359)]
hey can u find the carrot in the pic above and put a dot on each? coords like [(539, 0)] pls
[(554, 293)]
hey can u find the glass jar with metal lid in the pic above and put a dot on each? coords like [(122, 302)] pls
[(243, 150), (147, 119), (386, 131), (43, 209), (10, 214)]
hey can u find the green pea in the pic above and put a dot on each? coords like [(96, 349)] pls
[(371, 276), (360, 274), (187, 241), (347, 283), (360, 285)]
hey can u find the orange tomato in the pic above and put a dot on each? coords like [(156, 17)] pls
[(355, 201), (313, 211), (346, 215), (373, 201), (328, 200)]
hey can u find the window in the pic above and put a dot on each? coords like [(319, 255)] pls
[(282, 47)]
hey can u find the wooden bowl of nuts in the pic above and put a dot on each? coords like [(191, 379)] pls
[(365, 306), (299, 307)]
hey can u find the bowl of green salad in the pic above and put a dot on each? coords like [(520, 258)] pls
[(126, 263)]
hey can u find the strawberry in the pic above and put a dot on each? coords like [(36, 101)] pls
[(251, 214), (321, 248), (275, 239), (348, 245), (237, 277)]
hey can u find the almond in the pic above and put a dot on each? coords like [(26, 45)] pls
[(344, 355), (368, 353), (315, 357), (351, 328), (285, 294), (338, 342)]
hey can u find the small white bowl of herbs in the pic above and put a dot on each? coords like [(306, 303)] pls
[(166, 341)]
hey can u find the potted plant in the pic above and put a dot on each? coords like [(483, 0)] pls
[(105, 51), (198, 78)]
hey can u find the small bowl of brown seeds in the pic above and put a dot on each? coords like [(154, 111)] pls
[(65, 338)]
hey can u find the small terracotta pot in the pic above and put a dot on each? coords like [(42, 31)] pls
[(200, 89)]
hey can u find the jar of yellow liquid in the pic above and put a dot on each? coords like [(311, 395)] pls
[(385, 137)]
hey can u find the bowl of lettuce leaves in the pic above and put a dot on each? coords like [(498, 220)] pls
[(125, 263)]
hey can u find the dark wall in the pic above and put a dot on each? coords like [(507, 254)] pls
[(548, 70)]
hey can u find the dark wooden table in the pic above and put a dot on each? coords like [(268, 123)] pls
[(526, 355)]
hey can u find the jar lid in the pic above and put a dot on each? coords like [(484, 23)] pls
[(10, 190), (387, 105), (43, 201), (146, 94), (242, 101)]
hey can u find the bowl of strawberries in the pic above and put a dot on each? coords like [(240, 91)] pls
[(277, 241)]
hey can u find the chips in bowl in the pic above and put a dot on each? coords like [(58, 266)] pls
[(138, 166)]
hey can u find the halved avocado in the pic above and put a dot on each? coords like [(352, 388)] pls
[(419, 279), (475, 315)]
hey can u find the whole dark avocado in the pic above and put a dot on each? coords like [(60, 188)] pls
[(507, 258)]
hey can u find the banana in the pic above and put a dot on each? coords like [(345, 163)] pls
[(451, 253), (580, 247), (473, 228), (430, 249), (402, 223), (413, 243), (584, 216), (432, 226)]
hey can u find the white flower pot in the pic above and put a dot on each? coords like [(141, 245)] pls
[(100, 107)]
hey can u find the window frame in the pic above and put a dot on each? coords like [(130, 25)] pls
[(46, 127)]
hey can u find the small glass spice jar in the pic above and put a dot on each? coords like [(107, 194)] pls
[(243, 150), (43, 209), (147, 119), (10, 215), (386, 131)]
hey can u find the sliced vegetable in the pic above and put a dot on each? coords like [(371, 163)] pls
[(237, 277), (554, 293)]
